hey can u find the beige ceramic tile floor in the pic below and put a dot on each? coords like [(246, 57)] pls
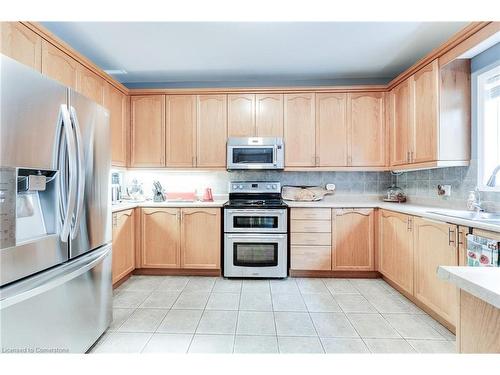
[(173, 314)]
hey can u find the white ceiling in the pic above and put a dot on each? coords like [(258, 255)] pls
[(258, 53)]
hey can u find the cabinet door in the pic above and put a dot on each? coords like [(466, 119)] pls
[(462, 245), (300, 130), (401, 124), (21, 44), (211, 131), (200, 238), (396, 249), (352, 239), (434, 246), (59, 66), (160, 238), (366, 124), (123, 244), (90, 84), (181, 130), (147, 115), (331, 129), (241, 115), (269, 115), (117, 105), (425, 98)]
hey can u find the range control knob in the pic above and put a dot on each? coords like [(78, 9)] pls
[(268, 186), (274, 186), (240, 186), (235, 187)]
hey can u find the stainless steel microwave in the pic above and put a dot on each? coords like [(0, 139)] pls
[(255, 153)]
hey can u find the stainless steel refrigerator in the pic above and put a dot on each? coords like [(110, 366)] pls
[(55, 215)]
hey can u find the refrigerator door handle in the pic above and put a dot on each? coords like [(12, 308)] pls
[(65, 121), (81, 173)]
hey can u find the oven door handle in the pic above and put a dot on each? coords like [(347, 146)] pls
[(276, 212), (256, 235)]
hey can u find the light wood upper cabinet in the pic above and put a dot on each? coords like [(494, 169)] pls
[(435, 244), (200, 238), (353, 239), (401, 134), (147, 131), (300, 130), (425, 113), (59, 66), (269, 115), (21, 44), (241, 115), (211, 131), (331, 129), (160, 238), (396, 248), (90, 84), (123, 244), (181, 130), (117, 104), (366, 124)]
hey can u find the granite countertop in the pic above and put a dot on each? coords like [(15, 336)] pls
[(426, 211), (481, 282), (129, 205)]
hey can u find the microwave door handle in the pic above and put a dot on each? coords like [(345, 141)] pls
[(71, 155), (275, 152), (81, 173)]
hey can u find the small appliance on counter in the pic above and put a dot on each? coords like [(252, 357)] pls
[(116, 189), (306, 193), (207, 195), (394, 194)]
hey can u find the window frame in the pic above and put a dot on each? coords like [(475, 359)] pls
[(478, 80)]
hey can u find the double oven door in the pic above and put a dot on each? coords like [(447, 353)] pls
[(255, 243)]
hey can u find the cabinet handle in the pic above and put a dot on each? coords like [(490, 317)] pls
[(317, 161), (178, 215), (411, 156), (407, 156), (460, 237), (314, 160), (408, 224), (193, 161), (450, 238)]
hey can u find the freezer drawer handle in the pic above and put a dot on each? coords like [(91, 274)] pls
[(56, 281)]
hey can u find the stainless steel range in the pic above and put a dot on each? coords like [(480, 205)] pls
[(255, 231)]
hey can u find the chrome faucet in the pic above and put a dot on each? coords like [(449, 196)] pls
[(493, 178), (474, 201)]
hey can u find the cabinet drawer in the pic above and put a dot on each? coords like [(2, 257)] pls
[(311, 213), (311, 226), (315, 239), (311, 258)]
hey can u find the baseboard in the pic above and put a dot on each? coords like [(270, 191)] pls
[(176, 272), (421, 305), (338, 274), (122, 280)]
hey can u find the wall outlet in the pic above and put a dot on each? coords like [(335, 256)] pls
[(444, 190)]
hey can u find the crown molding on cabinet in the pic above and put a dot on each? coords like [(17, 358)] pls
[(64, 47)]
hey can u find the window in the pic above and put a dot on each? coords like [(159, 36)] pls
[(488, 112)]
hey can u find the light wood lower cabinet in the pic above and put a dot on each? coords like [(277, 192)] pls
[(435, 244), (123, 244), (200, 238), (310, 239), (180, 238), (353, 233), (160, 238), (396, 248)]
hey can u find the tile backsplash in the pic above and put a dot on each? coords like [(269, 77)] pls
[(422, 186), (346, 182)]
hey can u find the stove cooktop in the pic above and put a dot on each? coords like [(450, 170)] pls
[(255, 203)]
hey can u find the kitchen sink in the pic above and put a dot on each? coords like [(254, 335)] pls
[(470, 215)]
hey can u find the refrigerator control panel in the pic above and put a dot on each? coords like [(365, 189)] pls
[(7, 207)]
